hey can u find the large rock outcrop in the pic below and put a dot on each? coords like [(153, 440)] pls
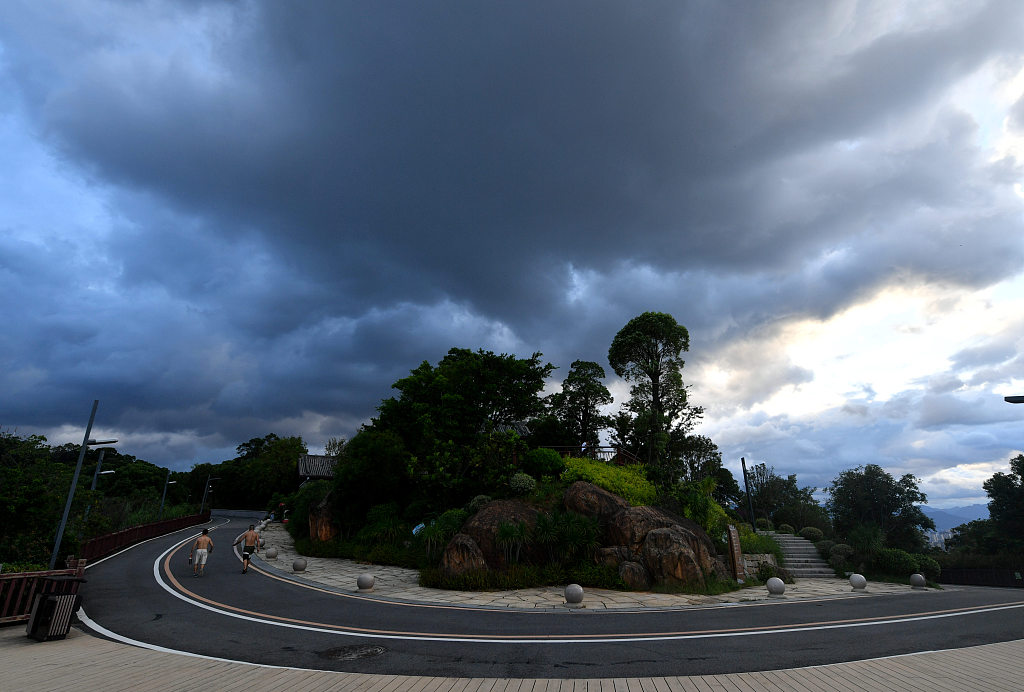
[(321, 521), (645, 544), (462, 555), (482, 527)]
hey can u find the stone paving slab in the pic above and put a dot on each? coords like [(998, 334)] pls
[(403, 584)]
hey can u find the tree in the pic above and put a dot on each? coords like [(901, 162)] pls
[(577, 406), (647, 352), (1006, 501), (868, 498), (468, 393)]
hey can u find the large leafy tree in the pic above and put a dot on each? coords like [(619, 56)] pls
[(783, 501), (1006, 503), (578, 405), (647, 352), (466, 394), (868, 498)]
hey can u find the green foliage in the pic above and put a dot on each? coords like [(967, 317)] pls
[(436, 535), (824, 547), (542, 462), (628, 482), (868, 496), (512, 538), (15, 567), (766, 570), (1006, 504), (928, 566), (305, 500), (578, 405), (478, 503), (763, 524), (372, 471), (383, 525), (812, 533), (522, 484), (786, 528), (781, 500), (760, 544), (894, 562), (839, 556), (697, 502)]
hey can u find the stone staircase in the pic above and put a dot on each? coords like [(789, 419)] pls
[(802, 559)]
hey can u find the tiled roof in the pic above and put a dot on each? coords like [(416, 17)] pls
[(316, 465)]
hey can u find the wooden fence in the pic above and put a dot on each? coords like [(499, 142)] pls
[(101, 546), (19, 589)]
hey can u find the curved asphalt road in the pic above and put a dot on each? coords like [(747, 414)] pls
[(148, 594)]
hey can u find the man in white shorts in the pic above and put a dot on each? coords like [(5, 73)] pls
[(200, 551)]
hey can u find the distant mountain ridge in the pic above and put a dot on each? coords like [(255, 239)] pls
[(947, 518)]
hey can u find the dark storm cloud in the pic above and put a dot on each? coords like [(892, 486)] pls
[(303, 202)]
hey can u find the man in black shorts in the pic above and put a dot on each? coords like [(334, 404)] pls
[(250, 541)]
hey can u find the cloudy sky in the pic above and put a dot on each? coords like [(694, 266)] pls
[(224, 219)]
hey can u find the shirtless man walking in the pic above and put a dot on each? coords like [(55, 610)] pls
[(250, 543), (200, 551)]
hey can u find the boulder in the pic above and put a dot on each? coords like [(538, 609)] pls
[(635, 575), (613, 556), (462, 555), (671, 559), (482, 527), (589, 500)]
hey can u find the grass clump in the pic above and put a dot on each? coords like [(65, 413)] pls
[(628, 482)]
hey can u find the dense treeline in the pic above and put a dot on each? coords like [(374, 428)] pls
[(35, 478)]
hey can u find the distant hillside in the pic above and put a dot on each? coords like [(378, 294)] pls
[(947, 518)]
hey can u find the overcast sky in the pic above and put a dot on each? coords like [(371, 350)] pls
[(225, 219)]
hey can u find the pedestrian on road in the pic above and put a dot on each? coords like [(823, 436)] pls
[(250, 543), (200, 551)]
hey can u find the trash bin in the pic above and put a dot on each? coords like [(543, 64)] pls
[(52, 610)]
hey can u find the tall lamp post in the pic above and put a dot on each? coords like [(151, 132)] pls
[(167, 482), (96, 474), (86, 443), (206, 489)]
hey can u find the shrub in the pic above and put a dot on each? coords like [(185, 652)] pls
[(436, 534), (928, 566), (786, 528), (824, 547), (306, 499), (763, 524), (812, 533), (895, 562), (757, 543), (628, 482), (383, 525), (522, 484), (542, 462), (512, 538), (477, 503), (839, 556)]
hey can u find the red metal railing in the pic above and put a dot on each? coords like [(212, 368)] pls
[(101, 546), (18, 589)]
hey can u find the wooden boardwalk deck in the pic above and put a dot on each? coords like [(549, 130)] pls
[(83, 662)]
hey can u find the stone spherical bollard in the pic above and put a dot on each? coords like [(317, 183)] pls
[(271, 554), (299, 565), (574, 596), (917, 581), (776, 587), (365, 582), (858, 582)]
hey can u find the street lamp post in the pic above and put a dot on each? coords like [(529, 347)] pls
[(96, 474), (167, 482), (86, 442), (206, 489)]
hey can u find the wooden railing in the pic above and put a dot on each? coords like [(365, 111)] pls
[(19, 589), (101, 546)]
